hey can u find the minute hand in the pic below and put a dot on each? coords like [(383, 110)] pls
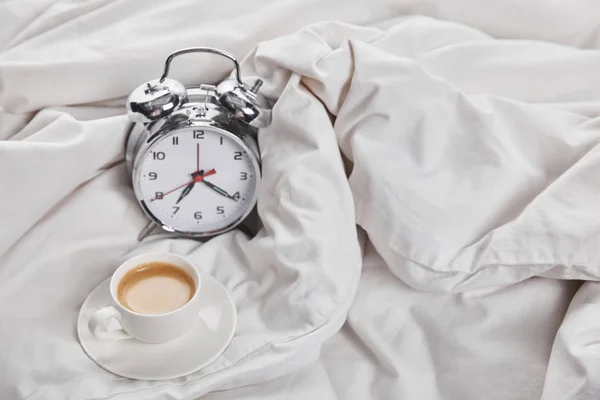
[(218, 190)]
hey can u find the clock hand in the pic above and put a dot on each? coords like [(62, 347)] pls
[(197, 157), (200, 175), (219, 190), (171, 191), (197, 178), (186, 191)]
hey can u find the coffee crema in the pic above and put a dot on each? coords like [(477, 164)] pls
[(155, 288)]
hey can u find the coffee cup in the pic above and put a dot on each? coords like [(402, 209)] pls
[(154, 299)]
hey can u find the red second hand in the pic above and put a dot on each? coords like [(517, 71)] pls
[(197, 178), (171, 191)]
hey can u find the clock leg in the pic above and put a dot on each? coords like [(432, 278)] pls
[(146, 231), (252, 224)]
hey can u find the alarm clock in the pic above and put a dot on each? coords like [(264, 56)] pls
[(192, 152)]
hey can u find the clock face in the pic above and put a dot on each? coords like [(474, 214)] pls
[(197, 180)]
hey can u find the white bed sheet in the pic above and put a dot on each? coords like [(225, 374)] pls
[(470, 132)]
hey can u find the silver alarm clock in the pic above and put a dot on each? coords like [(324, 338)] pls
[(193, 153)]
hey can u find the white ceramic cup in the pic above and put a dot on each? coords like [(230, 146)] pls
[(150, 328)]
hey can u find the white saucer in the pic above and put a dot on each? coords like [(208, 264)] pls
[(196, 349)]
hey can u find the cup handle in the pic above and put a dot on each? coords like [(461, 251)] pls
[(97, 324)]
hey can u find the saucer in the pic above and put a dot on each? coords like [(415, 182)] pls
[(196, 349)]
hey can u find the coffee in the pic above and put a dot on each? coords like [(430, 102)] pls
[(155, 288)]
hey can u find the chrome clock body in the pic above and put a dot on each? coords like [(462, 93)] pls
[(163, 108)]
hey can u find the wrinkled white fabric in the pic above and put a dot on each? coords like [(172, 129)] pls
[(460, 136)]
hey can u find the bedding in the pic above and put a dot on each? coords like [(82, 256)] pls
[(429, 198)]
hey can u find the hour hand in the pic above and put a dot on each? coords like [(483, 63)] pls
[(218, 190), (185, 192)]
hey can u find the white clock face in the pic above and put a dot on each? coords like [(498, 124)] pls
[(197, 180)]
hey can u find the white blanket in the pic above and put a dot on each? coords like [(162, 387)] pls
[(460, 136)]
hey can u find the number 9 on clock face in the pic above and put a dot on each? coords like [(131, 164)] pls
[(198, 181)]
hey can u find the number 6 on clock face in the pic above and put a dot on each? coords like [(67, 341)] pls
[(197, 181)]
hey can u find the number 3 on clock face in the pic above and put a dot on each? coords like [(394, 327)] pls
[(197, 180)]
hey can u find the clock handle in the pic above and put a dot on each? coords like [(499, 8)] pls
[(202, 50)]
